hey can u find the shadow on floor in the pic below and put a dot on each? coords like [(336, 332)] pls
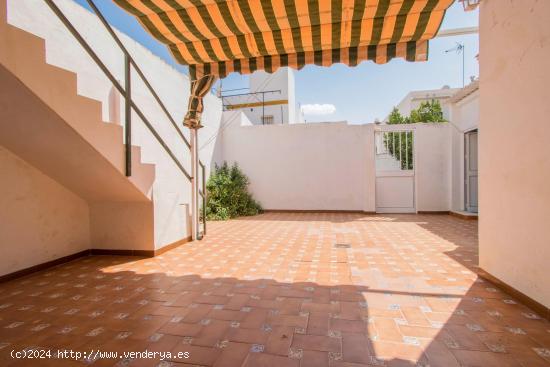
[(379, 310)]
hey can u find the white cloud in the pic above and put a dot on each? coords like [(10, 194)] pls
[(318, 109)]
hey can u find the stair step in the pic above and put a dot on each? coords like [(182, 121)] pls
[(22, 45), (57, 88), (143, 177)]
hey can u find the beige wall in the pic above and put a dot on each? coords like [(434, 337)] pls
[(40, 220), (170, 191), (121, 226), (514, 154), (432, 167), (303, 166)]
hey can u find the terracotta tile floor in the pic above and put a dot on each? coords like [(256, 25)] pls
[(283, 290)]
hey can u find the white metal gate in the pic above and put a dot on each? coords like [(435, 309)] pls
[(394, 160)]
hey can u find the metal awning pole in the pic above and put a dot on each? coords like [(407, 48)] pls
[(195, 231), (199, 88)]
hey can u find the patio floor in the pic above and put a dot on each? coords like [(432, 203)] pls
[(279, 290)]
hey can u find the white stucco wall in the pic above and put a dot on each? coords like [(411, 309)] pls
[(40, 220), (293, 116), (465, 117), (282, 86), (171, 190), (330, 166), (282, 79), (279, 112), (303, 166), (413, 100), (432, 168), (514, 155)]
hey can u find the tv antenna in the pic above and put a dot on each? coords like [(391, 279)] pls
[(459, 49)]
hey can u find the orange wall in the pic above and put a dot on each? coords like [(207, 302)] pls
[(40, 220), (514, 150)]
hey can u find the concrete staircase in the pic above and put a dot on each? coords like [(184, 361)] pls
[(44, 121), (64, 135)]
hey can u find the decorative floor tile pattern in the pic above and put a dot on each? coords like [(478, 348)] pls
[(340, 290)]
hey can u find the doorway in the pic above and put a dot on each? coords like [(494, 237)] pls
[(394, 159), (470, 170)]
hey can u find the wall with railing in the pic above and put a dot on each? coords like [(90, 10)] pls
[(330, 166), (171, 190)]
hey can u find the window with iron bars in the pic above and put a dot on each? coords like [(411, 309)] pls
[(267, 119)]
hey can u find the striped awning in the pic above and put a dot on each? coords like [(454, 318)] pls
[(217, 37)]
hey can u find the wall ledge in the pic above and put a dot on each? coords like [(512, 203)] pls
[(90, 252), (449, 212), (425, 212), (171, 246), (433, 212), (48, 264), (316, 211), (539, 308), (464, 215)]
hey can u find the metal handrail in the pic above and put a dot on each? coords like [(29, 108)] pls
[(126, 92), (203, 195), (138, 70)]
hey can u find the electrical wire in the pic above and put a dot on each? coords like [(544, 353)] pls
[(227, 123)]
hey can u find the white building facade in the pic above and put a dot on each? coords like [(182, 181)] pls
[(270, 99), (413, 100), (285, 164), (464, 120)]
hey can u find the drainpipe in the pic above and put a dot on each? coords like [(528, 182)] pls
[(195, 225)]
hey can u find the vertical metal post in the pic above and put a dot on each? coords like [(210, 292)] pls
[(407, 150), (203, 169), (463, 52), (393, 144), (263, 108), (128, 114), (400, 151), (412, 151), (195, 232)]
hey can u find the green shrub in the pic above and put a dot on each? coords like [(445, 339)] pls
[(228, 195), (428, 111)]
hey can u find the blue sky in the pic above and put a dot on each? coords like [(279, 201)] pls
[(359, 94)]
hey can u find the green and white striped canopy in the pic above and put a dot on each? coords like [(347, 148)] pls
[(217, 37)]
